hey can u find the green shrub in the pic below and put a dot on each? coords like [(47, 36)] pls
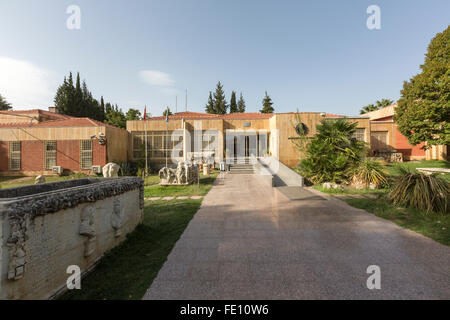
[(418, 190), (369, 172), (332, 152)]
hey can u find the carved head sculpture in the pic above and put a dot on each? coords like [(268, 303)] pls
[(87, 222)]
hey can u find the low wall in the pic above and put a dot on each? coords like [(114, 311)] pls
[(282, 174), (46, 228)]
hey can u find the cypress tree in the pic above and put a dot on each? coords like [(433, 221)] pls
[(233, 104), (210, 105), (241, 104), (220, 103), (267, 105)]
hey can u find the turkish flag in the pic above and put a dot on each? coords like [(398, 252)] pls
[(145, 113)]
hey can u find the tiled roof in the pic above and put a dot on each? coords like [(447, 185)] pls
[(330, 115), (38, 111), (71, 122), (229, 116)]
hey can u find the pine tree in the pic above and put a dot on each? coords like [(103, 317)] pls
[(220, 104), (4, 105), (241, 104), (210, 105), (64, 98), (233, 104), (424, 107), (267, 105)]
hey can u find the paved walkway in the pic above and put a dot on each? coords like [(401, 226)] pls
[(248, 241)]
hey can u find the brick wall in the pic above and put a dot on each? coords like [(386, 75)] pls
[(4, 156), (67, 155), (99, 153), (32, 156), (409, 151)]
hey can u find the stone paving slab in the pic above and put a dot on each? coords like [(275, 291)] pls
[(168, 198), (196, 197), (249, 241)]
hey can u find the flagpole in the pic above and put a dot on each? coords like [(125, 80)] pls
[(145, 130), (167, 131)]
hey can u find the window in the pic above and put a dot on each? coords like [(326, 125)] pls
[(14, 155), (50, 154), (359, 134), (159, 144), (86, 154)]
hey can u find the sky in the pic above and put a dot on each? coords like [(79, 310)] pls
[(316, 56)]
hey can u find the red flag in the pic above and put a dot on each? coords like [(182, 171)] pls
[(145, 113)]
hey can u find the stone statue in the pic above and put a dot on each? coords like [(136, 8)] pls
[(110, 170), (117, 217), (39, 179), (87, 229), (184, 174)]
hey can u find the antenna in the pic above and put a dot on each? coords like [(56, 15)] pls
[(176, 104), (186, 99)]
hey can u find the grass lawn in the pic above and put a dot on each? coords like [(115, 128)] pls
[(13, 182), (128, 270), (155, 190), (394, 168), (348, 190), (432, 225)]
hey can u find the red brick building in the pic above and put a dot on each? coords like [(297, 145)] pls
[(385, 135), (34, 141)]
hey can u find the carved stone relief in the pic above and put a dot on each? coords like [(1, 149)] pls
[(87, 229), (117, 217)]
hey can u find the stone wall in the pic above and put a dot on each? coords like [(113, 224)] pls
[(46, 228)]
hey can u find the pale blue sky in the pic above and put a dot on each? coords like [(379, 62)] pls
[(312, 55)]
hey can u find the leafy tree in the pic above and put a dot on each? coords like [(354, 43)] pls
[(133, 114), (167, 112), (267, 105), (332, 153), (241, 104), (378, 105), (423, 110), (4, 105), (210, 105), (116, 117), (233, 104), (220, 103)]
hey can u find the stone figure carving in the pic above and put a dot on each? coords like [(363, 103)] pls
[(184, 174), (16, 248), (117, 217), (87, 229), (110, 170), (39, 179), (396, 157)]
